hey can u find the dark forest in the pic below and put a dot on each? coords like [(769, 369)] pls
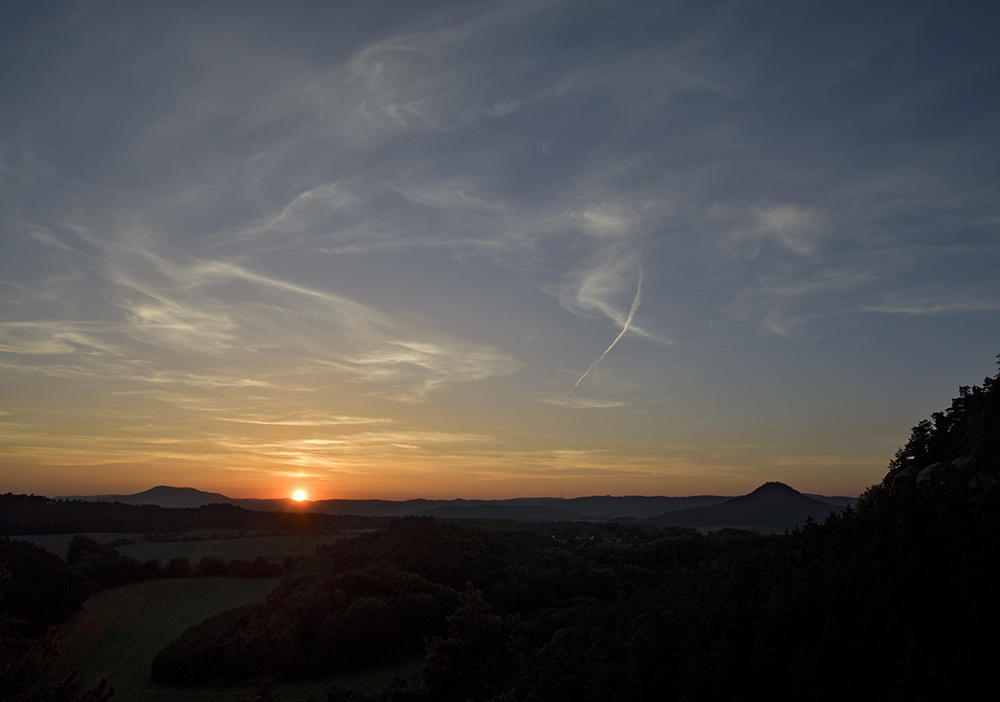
[(893, 599)]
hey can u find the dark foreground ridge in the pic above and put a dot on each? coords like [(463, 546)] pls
[(892, 599)]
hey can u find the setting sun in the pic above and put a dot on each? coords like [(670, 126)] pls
[(299, 495)]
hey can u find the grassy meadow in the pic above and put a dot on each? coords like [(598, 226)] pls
[(120, 631)]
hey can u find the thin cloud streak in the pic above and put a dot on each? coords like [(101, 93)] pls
[(631, 313)]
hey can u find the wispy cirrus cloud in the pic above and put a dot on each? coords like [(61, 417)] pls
[(173, 307), (287, 230), (795, 227), (924, 301)]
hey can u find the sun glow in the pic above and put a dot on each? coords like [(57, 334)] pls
[(299, 495)]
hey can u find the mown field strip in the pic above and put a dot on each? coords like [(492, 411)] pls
[(69, 634), (129, 625), (120, 631)]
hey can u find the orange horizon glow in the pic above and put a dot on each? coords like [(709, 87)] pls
[(578, 477)]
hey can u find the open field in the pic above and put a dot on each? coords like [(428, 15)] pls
[(274, 548), (59, 543), (229, 548), (120, 631)]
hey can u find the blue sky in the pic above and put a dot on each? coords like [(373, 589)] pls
[(490, 249)]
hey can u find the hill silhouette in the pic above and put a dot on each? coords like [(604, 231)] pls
[(771, 507), (161, 496)]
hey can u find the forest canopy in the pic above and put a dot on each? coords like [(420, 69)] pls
[(892, 599)]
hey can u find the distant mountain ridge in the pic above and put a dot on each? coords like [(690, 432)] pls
[(772, 506), (603, 508)]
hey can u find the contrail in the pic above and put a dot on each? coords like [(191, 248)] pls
[(631, 312)]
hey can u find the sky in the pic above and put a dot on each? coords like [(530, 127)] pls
[(490, 249)]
